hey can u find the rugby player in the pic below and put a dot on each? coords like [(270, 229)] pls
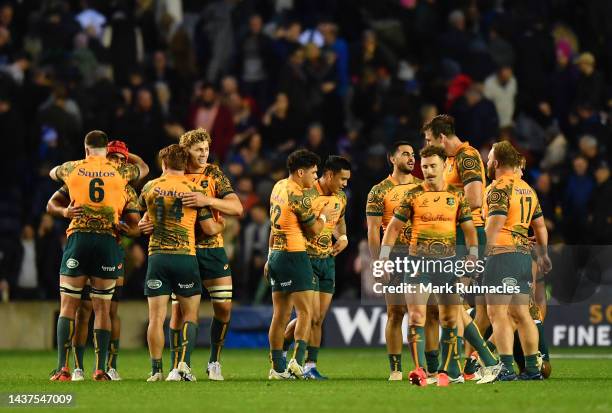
[(512, 208), (464, 170), (59, 205), (383, 199), (434, 209), (98, 186), (215, 192), (321, 250), (172, 266), (288, 267)]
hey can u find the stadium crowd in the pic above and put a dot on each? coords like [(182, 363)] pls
[(268, 76)]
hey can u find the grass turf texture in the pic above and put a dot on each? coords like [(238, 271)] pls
[(358, 382)]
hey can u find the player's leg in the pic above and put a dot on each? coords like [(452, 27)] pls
[(113, 354), (81, 331), (217, 278), (189, 332), (497, 310), (220, 290), (540, 301), (102, 290), (321, 306), (155, 334), (472, 335), (288, 337), (394, 339), (315, 316), (70, 298), (303, 303), (450, 367), (528, 333), (174, 335), (281, 304), (432, 338)]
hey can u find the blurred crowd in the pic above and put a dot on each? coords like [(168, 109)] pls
[(265, 77)]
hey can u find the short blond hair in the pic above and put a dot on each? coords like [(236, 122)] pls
[(194, 136)]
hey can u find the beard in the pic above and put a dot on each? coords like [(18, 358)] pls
[(491, 172), (405, 169)]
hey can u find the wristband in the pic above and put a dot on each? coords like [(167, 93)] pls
[(323, 218), (473, 251), (385, 251), (343, 238)]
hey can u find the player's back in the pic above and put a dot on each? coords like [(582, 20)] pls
[(320, 245), (514, 198), (289, 208), (173, 223), (98, 186), (464, 167)]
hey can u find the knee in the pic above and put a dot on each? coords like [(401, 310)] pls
[(316, 320), (417, 318), (448, 320), (395, 315), (223, 310)]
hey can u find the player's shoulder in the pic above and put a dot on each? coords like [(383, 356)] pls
[(126, 170), (147, 187), (342, 196), (378, 191), (455, 190), (413, 190), (214, 171), (129, 189)]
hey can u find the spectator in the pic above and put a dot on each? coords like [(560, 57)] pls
[(578, 191), (27, 278), (476, 117), (371, 54), (61, 115), (316, 142), (49, 256), (280, 132), (590, 86), (339, 47), (501, 89), (207, 112), (124, 41), (255, 247), (600, 214), (563, 84), (246, 193), (256, 61), (547, 200)]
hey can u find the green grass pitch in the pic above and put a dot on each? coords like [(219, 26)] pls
[(358, 383)]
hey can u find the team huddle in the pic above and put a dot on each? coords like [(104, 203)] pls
[(449, 216)]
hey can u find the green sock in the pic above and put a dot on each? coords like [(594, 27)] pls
[(101, 342), (299, 351), (460, 347), (517, 353), (531, 364), (472, 335), (313, 354), (542, 344), (508, 361), (488, 333), (156, 366), (433, 360), (287, 343), (175, 346), (395, 362), (450, 356), (218, 331), (492, 347), (416, 342), (279, 363), (190, 333), (112, 354), (65, 331), (79, 352)]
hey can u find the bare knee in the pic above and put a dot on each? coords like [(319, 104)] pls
[(395, 315), (223, 310)]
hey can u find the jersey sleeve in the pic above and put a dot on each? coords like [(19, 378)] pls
[(375, 204), (65, 169), (301, 205), (538, 211), (464, 213), (129, 172), (343, 202), (223, 184), (498, 200), (204, 214), (132, 205), (142, 200), (404, 211), (469, 167)]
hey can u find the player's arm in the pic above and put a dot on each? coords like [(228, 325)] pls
[(493, 226), (470, 172), (229, 205), (60, 173), (59, 205), (464, 218), (541, 235), (390, 237), (313, 226), (341, 238), (143, 168), (374, 223), (128, 226), (209, 225)]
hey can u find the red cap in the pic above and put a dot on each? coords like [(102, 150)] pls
[(118, 147)]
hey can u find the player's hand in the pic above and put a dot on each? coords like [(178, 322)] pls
[(266, 271), (221, 220), (72, 211), (544, 264), (328, 210), (196, 200), (123, 228), (145, 226), (339, 246)]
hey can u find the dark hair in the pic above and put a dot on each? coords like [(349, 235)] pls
[(395, 146), (302, 159), (336, 164), (432, 150), (441, 124), (96, 139), (506, 155), (174, 156)]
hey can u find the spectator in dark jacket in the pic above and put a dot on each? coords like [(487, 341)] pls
[(590, 87)]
